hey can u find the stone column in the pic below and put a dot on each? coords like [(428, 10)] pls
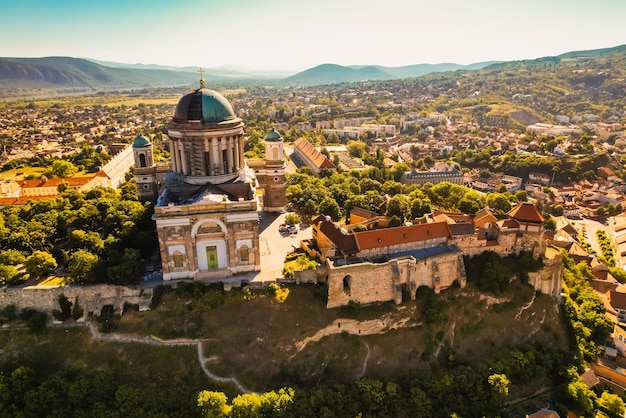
[(183, 159), (241, 151), (175, 157), (215, 156), (236, 151), (229, 154), (207, 149)]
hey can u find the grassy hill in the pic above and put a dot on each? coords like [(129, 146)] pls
[(65, 75)]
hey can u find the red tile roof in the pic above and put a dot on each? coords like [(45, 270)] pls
[(314, 155), (377, 238), (617, 299), (526, 212)]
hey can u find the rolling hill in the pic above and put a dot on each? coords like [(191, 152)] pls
[(49, 76), (65, 75)]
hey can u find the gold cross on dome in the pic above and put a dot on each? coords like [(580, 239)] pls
[(200, 70)]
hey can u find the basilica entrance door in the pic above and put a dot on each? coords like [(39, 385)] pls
[(211, 257)]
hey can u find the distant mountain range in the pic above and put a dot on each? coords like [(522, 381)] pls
[(30, 77), (332, 73)]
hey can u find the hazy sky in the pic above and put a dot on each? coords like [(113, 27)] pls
[(298, 34)]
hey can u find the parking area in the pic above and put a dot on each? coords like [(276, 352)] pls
[(275, 245)]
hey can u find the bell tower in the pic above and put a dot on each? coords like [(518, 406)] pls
[(145, 169)]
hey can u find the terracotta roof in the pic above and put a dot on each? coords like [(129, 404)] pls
[(377, 238), (544, 413), (450, 217), (343, 240), (484, 215), (461, 229), (590, 378), (72, 181), (363, 213), (508, 224), (314, 155), (5, 201), (617, 299), (526, 212)]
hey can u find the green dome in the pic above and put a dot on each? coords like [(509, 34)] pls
[(273, 136), (204, 105), (141, 141)]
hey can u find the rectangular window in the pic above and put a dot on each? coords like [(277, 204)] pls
[(178, 260), (244, 253), (207, 163)]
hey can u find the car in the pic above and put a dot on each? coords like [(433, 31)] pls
[(292, 229), (283, 228)]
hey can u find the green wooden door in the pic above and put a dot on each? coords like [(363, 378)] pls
[(211, 257)]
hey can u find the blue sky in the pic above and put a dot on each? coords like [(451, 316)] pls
[(299, 34)]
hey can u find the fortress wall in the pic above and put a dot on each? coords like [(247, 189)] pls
[(379, 282), (438, 272), (368, 283), (548, 279), (91, 298)]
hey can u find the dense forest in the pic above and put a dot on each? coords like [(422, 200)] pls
[(98, 236)]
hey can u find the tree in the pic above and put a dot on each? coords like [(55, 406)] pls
[(500, 385), (292, 219), (82, 266), (65, 308), (129, 268), (62, 168), (612, 405), (7, 273), (329, 207), (420, 207), (40, 264), (213, 404), (498, 202), (398, 205), (550, 224), (468, 206)]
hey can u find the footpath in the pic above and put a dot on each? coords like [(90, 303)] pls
[(121, 338)]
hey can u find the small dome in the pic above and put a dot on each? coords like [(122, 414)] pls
[(273, 136), (141, 141), (204, 105)]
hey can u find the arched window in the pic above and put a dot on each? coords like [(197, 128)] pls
[(244, 253), (275, 154), (347, 282), (142, 160), (178, 259)]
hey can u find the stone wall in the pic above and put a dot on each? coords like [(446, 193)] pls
[(369, 282), (548, 279), (91, 298)]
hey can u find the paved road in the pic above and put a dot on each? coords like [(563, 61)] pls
[(274, 246), (591, 227)]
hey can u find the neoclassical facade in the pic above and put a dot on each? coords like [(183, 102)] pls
[(206, 212)]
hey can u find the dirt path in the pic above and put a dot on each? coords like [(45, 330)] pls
[(121, 338), (364, 368), (523, 308), (350, 326)]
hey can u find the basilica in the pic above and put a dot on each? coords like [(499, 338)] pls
[(207, 203)]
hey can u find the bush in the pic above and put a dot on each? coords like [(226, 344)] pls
[(66, 309), (78, 311), (35, 320), (8, 313)]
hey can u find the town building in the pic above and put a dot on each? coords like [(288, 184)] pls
[(206, 212), (311, 157), (378, 264), (451, 174)]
